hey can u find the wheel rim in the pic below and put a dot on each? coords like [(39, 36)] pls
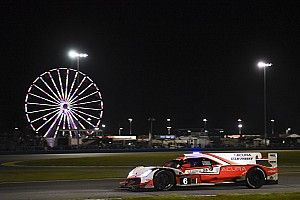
[(256, 179), (163, 181)]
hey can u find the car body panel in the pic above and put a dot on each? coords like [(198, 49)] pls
[(207, 169)]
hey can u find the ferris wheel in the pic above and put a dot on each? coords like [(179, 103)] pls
[(63, 99)]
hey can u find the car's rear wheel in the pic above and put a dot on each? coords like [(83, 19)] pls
[(163, 180), (255, 178)]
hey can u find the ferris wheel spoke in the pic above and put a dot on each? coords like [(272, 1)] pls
[(46, 115), (72, 123), (61, 100), (84, 113), (72, 85), (41, 104), (74, 113), (77, 104), (54, 122), (64, 124), (68, 123), (67, 81), (82, 92), (60, 84), (85, 108), (58, 125), (41, 110), (49, 88), (43, 98), (46, 122), (46, 93), (84, 97), (53, 82), (77, 88)]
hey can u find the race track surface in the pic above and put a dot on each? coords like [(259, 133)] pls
[(92, 189), (108, 188)]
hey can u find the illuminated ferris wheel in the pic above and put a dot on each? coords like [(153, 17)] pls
[(63, 99)]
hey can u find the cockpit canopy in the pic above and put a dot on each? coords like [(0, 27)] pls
[(190, 162)]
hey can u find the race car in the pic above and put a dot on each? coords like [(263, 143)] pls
[(196, 169)]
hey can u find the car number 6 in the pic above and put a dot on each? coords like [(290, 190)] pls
[(185, 181)]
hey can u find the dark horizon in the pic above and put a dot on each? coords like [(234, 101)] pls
[(183, 61)]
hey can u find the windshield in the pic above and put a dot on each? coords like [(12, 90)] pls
[(173, 163)]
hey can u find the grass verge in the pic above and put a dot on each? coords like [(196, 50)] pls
[(113, 166), (126, 159), (285, 158), (48, 174)]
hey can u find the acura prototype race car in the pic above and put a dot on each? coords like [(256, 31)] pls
[(197, 169)]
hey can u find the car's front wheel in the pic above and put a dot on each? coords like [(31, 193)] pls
[(163, 180), (255, 178)]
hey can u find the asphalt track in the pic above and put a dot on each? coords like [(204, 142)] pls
[(108, 188), (97, 189)]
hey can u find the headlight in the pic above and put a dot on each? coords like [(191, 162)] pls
[(146, 173)]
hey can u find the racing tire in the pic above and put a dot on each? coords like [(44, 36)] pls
[(163, 180), (255, 178)]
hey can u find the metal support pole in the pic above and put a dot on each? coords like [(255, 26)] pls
[(130, 128), (272, 127), (150, 131), (265, 107), (77, 136)]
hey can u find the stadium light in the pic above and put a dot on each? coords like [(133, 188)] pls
[(263, 64), (73, 54), (130, 129)]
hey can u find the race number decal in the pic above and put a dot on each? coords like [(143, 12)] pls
[(185, 181)]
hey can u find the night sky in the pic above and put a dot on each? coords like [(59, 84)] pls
[(184, 60)]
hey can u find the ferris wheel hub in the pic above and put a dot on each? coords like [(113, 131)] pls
[(64, 106)]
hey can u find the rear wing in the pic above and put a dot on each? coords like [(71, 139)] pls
[(245, 158), (272, 159)]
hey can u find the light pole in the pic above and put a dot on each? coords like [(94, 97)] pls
[(240, 126), (120, 129), (103, 127), (205, 121), (89, 120), (264, 66), (240, 129), (151, 120), (74, 54), (272, 125), (169, 126), (130, 120), (90, 127)]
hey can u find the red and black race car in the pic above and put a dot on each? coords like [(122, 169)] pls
[(206, 169)]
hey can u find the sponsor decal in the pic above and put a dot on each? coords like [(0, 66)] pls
[(242, 156), (272, 171), (233, 169), (199, 171)]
